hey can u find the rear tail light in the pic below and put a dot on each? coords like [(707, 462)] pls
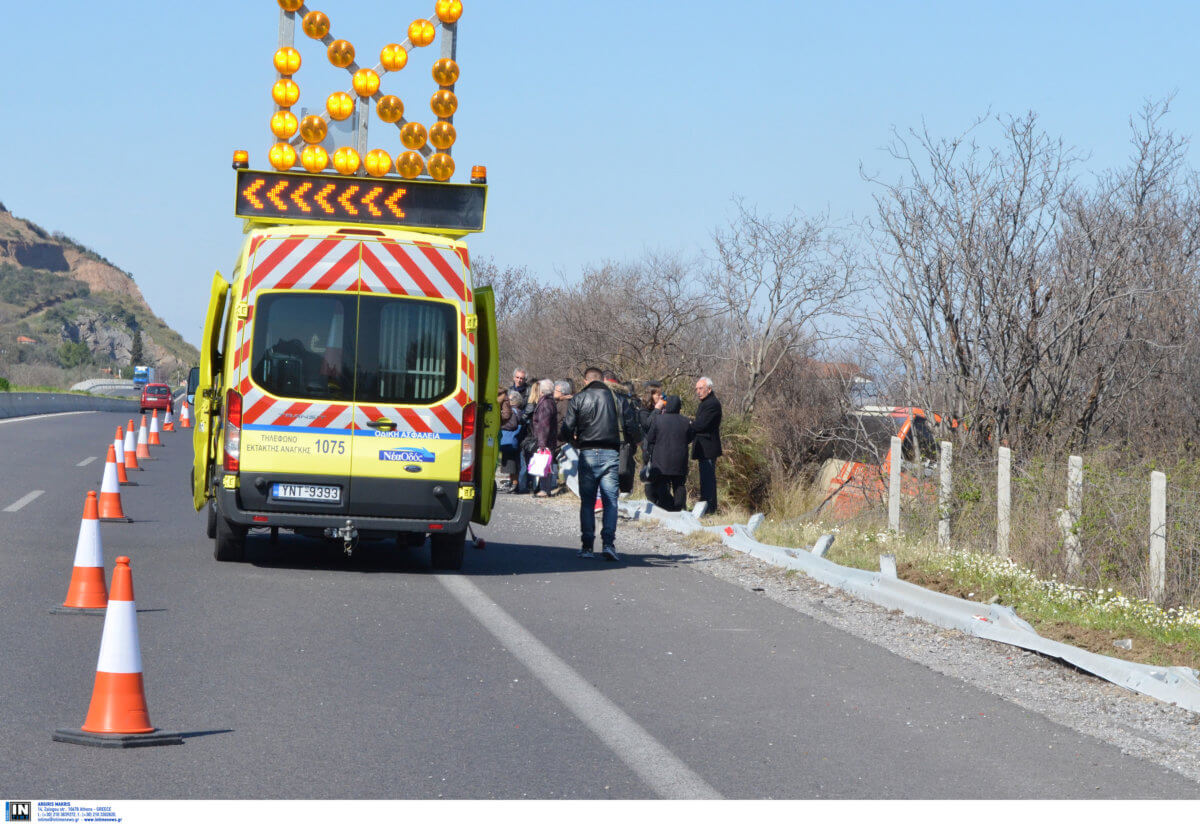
[(233, 430), (467, 474)]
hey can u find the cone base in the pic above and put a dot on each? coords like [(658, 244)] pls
[(127, 483), (124, 519), (59, 609), (116, 740)]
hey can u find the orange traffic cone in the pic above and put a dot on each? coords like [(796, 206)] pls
[(119, 448), (143, 445), (154, 440), (117, 716), (185, 420), (168, 422), (130, 448), (87, 592), (599, 503), (110, 491)]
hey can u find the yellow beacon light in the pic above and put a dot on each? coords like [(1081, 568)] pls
[(479, 174), (287, 61), (378, 163), (393, 57), (389, 108), (314, 158), (241, 159), (365, 82), (341, 53), (441, 166), (346, 161), (316, 24), (445, 72), (412, 135), (420, 32), (410, 165), (442, 135), (339, 105), (448, 11), (282, 156), (291, 5), (443, 103), (284, 124), (285, 93), (313, 129)]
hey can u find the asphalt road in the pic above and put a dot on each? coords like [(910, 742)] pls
[(532, 674)]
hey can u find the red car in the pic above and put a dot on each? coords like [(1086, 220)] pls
[(157, 396)]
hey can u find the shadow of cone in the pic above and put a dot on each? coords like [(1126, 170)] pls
[(87, 593), (117, 716), (154, 440)]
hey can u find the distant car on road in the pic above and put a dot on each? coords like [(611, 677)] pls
[(157, 396)]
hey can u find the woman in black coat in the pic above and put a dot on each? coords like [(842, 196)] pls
[(668, 439)]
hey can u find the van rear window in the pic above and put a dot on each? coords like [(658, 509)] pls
[(371, 349)]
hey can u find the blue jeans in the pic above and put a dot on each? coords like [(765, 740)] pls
[(598, 468)]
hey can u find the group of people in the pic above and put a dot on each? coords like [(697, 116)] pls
[(606, 422)]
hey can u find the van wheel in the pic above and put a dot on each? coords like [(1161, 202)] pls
[(229, 541), (212, 520), (446, 550)]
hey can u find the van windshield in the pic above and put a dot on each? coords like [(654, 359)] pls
[(341, 347)]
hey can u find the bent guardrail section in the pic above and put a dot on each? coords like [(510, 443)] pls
[(1174, 685)]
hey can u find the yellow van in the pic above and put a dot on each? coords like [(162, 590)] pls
[(348, 373)]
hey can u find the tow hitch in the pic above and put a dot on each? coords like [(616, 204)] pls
[(348, 534)]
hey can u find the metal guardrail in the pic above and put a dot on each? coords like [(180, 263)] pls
[(1174, 685), (20, 404)]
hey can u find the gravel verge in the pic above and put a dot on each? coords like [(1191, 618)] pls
[(1138, 725)]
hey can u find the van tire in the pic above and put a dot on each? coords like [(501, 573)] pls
[(446, 550), (212, 520), (229, 542)]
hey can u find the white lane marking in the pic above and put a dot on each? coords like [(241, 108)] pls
[(86, 461), (16, 505), (641, 752), (48, 415)]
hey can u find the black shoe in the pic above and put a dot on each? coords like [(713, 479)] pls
[(610, 554)]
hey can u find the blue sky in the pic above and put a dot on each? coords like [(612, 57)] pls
[(608, 128)]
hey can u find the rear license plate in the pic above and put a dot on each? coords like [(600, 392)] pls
[(306, 492)]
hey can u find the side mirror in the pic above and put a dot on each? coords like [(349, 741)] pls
[(193, 382)]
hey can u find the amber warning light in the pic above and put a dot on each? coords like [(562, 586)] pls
[(302, 197)]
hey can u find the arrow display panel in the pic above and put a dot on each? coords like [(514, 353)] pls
[(411, 204)]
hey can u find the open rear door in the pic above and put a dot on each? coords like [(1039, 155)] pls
[(203, 432), (487, 432)]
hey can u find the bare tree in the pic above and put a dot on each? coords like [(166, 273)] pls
[(779, 282)]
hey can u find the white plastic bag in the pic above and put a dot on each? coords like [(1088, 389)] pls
[(539, 464)]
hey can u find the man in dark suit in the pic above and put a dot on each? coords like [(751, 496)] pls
[(706, 447)]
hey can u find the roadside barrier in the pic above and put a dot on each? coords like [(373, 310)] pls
[(154, 440), (1174, 685), (87, 593), (117, 715), (131, 462), (143, 445), (110, 491), (23, 404)]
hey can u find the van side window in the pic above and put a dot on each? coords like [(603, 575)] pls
[(303, 345), (407, 350)]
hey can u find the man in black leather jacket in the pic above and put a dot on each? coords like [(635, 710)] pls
[(597, 422)]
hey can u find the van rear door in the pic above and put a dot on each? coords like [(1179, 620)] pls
[(415, 381), (205, 404), (294, 367), (488, 425)]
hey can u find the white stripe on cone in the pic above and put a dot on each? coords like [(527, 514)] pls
[(88, 552), (130, 443), (119, 648)]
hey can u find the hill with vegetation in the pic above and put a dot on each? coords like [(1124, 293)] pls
[(68, 314)]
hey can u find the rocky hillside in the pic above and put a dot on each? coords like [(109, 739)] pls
[(67, 313)]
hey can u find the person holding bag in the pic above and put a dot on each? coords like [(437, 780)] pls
[(545, 432)]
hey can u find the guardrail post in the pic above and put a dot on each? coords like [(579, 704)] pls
[(1068, 519), (1003, 500), (1158, 536), (894, 487), (944, 494)]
